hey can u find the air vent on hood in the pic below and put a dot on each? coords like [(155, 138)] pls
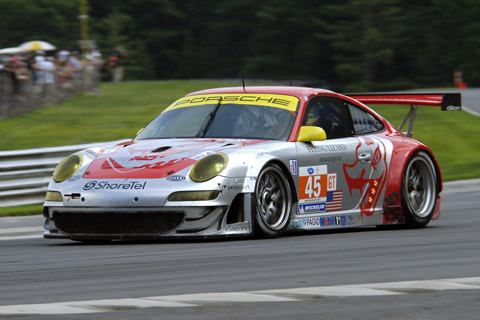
[(161, 149)]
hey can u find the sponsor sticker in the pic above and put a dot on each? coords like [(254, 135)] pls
[(454, 108), (175, 178), (108, 185), (296, 224), (271, 100), (293, 167), (311, 207), (327, 148), (309, 223), (323, 222)]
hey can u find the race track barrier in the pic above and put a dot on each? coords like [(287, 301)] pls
[(25, 174)]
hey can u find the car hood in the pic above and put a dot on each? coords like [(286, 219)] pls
[(153, 159)]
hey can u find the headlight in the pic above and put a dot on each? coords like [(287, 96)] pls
[(67, 167), (209, 167)]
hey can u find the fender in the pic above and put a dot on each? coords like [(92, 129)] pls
[(403, 150)]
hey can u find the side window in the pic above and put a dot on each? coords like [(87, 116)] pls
[(363, 121), (329, 114)]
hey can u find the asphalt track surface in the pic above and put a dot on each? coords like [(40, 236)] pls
[(361, 273)]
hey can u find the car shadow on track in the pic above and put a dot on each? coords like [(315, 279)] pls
[(290, 234)]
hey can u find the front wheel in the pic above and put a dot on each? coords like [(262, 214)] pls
[(419, 190), (273, 202)]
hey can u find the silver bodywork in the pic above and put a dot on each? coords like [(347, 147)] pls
[(230, 214)]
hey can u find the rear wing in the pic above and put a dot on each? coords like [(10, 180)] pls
[(447, 102)]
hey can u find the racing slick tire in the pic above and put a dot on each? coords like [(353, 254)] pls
[(272, 202), (419, 190)]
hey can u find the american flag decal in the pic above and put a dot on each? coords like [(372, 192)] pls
[(334, 200)]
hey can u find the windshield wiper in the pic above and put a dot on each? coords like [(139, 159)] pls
[(208, 121)]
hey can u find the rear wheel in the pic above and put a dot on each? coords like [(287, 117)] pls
[(419, 190), (273, 202)]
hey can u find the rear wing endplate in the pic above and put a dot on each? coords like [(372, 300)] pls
[(447, 102)]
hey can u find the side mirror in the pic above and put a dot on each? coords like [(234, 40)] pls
[(311, 133)]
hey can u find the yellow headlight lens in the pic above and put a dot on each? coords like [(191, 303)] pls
[(54, 196), (194, 195), (67, 167), (209, 167)]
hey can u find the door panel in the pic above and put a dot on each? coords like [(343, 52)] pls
[(331, 174)]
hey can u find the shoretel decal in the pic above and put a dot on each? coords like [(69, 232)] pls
[(105, 185)]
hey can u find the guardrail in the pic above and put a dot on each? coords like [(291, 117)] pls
[(25, 174)]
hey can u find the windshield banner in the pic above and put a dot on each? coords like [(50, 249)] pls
[(270, 100)]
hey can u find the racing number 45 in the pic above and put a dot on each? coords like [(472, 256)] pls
[(316, 186), (313, 188)]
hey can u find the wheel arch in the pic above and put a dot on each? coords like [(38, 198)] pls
[(392, 204), (288, 175)]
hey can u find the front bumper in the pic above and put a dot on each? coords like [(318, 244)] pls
[(90, 223)]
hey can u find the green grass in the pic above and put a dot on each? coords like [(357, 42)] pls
[(122, 109), (21, 211)]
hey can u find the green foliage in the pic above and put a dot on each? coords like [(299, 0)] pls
[(54, 21), (351, 44)]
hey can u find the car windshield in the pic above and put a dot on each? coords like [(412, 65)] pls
[(224, 118)]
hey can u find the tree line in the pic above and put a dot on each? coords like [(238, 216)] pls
[(352, 45)]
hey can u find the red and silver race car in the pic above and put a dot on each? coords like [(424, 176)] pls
[(252, 160)]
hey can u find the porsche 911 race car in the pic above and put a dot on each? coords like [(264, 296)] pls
[(252, 160)]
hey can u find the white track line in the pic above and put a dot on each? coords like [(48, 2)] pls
[(203, 299)]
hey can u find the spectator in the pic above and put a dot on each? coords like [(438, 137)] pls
[(74, 60), (117, 62), (30, 63), (92, 66), (98, 65), (19, 76), (63, 54), (45, 73), (64, 71)]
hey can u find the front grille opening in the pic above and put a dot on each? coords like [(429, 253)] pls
[(118, 223), (236, 212)]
